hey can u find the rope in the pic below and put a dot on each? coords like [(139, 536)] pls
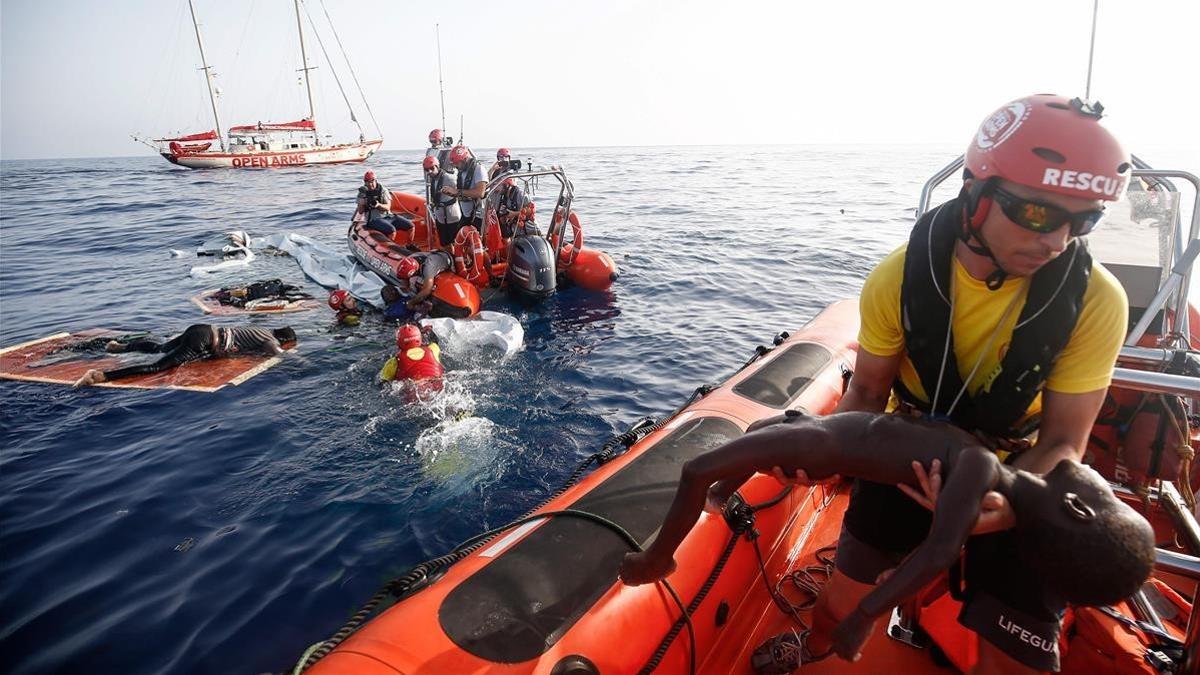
[(686, 614), (348, 67), (425, 570), (1185, 451), (319, 650), (744, 526), (611, 448), (333, 70)]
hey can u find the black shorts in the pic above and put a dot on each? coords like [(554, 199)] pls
[(448, 231), (1003, 601)]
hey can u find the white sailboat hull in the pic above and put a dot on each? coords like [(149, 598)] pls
[(264, 159)]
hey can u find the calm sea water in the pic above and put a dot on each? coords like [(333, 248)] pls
[(167, 531)]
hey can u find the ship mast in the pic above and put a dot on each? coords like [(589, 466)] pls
[(208, 76), (312, 111)]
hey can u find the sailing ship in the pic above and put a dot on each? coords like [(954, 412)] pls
[(264, 145)]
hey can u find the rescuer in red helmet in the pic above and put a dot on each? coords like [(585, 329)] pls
[(349, 312), (414, 360), (418, 274), (446, 213), (374, 200), (994, 317), (469, 187), (503, 163)]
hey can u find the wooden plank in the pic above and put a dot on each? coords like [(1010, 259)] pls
[(33, 342)]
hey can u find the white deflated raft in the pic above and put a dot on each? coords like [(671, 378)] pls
[(486, 329)]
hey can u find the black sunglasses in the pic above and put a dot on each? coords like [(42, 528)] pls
[(1045, 218)]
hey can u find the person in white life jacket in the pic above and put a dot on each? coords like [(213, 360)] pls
[(468, 189), (446, 212), (439, 146), (414, 360)]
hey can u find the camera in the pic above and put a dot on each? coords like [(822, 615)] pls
[(510, 165)]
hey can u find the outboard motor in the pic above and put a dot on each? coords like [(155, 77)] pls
[(531, 274)]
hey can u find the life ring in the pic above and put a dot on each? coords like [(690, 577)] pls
[(568, 251), (469, 244)]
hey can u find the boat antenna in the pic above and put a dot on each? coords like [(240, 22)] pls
[(460, 128), (1087, 90), (441, 90), (208, 77), (312, 111), (378, 131), (338, 80)]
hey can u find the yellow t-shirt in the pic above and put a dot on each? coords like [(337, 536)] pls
[(1084, 365)]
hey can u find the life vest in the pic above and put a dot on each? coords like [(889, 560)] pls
[(435, 189), (375, 195), (349, 317), (465, 181), (419, 363), (1051, 310), (468, 244)]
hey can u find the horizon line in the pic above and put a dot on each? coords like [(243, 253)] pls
[(572, 147)]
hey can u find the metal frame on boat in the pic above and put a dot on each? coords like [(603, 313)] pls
[(562, 211)]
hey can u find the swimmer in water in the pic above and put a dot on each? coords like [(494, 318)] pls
[(199, 342), (349, 312), (414, 360), (1087, 545)]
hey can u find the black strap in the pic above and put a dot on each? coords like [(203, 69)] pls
[(1044, 326)]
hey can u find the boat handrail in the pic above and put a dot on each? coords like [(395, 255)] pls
[(1160, 383), (566, 196)]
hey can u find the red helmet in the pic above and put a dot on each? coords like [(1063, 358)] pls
[(430, 163), (337, 299), (407, 267), (502, 153), (368, 176), (459, 154), (435, 136), (1051, 143), (408, 336)]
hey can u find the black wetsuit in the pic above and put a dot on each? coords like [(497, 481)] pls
[(199, 342)]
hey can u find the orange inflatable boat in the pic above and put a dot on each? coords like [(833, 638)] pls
[(541, 596), (453, 296), (525, 262), (544, 597)]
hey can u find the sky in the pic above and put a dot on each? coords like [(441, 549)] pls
[(77, 78)]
